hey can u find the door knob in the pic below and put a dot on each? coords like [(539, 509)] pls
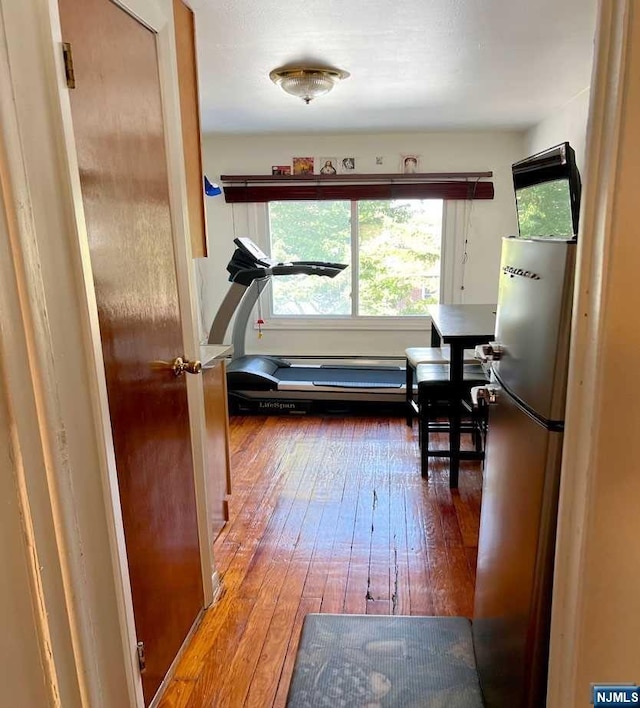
[(180, 366)]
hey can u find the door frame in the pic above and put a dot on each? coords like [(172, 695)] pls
[(57, 396), (58, 426), (588, 421)]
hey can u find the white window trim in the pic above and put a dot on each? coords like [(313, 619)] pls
[(346, 322), (453, 215), (354, 270)]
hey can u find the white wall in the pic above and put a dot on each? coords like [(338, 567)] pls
[(567, 123), (440, 152)]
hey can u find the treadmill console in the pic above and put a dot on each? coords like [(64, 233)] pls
[(249, 247)]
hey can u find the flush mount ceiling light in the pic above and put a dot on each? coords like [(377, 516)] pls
[(307, 83)]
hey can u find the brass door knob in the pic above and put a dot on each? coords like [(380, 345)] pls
[(180, 366)]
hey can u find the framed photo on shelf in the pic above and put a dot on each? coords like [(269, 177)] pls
[(280, 169), (303, 165), (410, 164), (347, 164), (328, 165)]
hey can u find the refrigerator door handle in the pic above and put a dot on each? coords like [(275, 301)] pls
[(492, 351), (484, 395)]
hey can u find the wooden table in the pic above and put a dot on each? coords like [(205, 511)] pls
[(461, 327)]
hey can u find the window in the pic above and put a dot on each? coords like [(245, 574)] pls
[(392, 248)]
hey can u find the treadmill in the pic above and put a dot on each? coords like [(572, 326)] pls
[(259, 383)]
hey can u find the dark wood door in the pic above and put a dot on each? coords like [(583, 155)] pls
[(119, 134)]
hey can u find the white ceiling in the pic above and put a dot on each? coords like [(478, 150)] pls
[(415, 64)]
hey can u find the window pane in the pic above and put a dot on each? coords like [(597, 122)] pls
[(311, 231), (400, 243)]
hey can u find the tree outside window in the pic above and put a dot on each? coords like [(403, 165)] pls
[(545, 210), (392, 247)]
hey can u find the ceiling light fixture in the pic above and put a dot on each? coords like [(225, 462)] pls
[(307, 83)]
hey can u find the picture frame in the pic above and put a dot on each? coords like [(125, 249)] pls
[(303, 165), (327, 165), (280, 169), (347, 164), (410, 164)]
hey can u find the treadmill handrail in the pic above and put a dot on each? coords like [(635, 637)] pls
[(326, 264), (249, 255), (329, 270), (246, 277), (248, 267)]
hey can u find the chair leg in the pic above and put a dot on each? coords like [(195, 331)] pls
[(423, 421), (424, 447), (484, 427), (409, 393), (477, 435)]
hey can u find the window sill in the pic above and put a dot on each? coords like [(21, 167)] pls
[(373, 324)]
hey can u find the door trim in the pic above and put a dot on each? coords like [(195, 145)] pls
[(187, 289), (30, 400), (58, 394), (585, 385)]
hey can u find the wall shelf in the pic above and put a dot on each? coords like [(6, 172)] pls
[(385, 177)]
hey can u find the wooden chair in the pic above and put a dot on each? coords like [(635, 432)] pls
[(414, 357), (439, 402)]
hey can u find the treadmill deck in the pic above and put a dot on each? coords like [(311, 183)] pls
[(272, 384)]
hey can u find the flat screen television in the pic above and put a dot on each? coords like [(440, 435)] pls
[(547, 187)]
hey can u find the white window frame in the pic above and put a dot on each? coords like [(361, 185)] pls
[(452, 215)]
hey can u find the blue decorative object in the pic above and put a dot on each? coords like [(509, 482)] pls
[(211, 189)]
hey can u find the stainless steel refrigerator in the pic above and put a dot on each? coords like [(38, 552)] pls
[(522, 471)]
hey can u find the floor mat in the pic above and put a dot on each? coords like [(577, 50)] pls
[(364, 661)]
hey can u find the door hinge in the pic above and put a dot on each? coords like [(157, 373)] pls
[(68, 65), (142, 661)]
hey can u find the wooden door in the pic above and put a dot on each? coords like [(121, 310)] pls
[(119, 134)]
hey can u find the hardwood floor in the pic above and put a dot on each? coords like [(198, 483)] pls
[(326, 515)]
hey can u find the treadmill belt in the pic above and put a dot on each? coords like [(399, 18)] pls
[(358, 384), (349, 377)]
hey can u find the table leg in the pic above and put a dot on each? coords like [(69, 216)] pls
[(435, 337), (456, 369), (456, 375), (454, 445)]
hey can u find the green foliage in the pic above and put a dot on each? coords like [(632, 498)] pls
[(399, 256), (399, 249), (545, 210), (311, 231)]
